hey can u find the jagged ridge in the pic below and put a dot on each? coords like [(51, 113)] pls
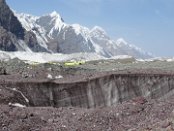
[(13, 36), (56, 35), (49, 33)]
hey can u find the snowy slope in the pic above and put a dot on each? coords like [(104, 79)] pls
[(45, 27), (59, 37), (131, 50), (29, 23), (52, 23), (102, 40), (118, 47)]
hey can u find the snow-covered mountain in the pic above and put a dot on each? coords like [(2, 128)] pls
[(49, 33), (131, 50), (59, 37)]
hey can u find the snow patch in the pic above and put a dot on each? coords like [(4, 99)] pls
[(59, 77), (16, 105), (170, 60), (4, 56), (121, 57), (49, 76)]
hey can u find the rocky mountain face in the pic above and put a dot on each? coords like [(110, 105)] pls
[(9, 22), (49, 33), (13, 36), (57, 36)]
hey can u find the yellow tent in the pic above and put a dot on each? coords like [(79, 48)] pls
[(74, 63)]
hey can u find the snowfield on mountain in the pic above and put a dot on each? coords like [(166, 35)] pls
[(56, 36)]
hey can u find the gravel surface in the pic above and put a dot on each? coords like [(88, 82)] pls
[(138, 114)]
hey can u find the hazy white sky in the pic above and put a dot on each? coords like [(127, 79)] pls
[(148, 24)]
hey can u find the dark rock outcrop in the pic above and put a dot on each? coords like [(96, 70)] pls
[(12, 32), (10, 22), (8, 41), (3, 71), (32, 43)]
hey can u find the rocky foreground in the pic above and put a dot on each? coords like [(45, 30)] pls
[(138, 114), (140, 99)]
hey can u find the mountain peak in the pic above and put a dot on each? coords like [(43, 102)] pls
[(121, 41), (98, 29), (58, 19), (54, 14)]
